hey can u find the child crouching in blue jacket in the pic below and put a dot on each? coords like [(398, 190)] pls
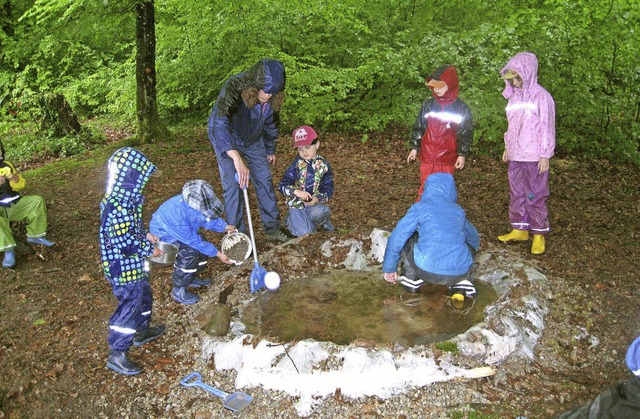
[(434, 241), (178, 221)]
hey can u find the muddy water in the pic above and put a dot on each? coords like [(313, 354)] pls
[(343, 306)]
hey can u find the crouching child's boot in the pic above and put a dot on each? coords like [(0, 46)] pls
[(9, 260), (120, 362), (181, 295), (147, 335)]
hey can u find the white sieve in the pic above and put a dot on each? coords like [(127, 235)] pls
[(237, 247)]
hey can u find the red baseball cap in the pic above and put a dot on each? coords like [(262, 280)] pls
[(303, 136)]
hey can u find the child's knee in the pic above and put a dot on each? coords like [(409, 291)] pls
[(298, 223)]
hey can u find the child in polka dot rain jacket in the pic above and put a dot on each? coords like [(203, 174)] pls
[(124, 247)]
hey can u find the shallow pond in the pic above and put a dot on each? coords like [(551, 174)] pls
[(344, 306)]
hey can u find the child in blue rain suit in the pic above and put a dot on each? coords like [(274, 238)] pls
[(178, 221), (307, 184), (434, 240), (124, 247)]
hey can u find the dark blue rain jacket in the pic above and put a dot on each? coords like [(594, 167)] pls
[(232, 125)]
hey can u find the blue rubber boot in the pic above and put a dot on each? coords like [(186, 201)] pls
[(181, 295), (147, 335), (200, 282), (40, 240), (9, 260), (120, 362)]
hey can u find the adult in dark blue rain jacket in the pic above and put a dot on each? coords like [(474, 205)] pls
[(243, 131)]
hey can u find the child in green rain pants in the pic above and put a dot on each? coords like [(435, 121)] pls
[(15, 207)]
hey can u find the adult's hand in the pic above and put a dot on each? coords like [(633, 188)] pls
[(241, 168), (505, 158), (460, 163), (271, 158)]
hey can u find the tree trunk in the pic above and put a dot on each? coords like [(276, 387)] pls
[(150, 128), (58, 119)]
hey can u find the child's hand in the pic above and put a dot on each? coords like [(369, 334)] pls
[(153, 238), (412, 156), (230, 229), (224, 258), (543, 165), (313, 201), (303, 195), (7, 176), (157, 252), (391, 277)]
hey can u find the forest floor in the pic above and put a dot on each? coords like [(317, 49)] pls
[(55, 304)]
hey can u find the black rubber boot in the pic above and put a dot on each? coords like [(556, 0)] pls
[(120, 362), (147, 335)]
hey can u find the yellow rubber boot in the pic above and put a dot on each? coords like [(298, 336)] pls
[(517, 235), (537, 248), (458, 300)]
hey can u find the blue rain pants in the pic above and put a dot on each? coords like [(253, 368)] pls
[(306, 221), (132, 314), (255, 157), (189, 263)]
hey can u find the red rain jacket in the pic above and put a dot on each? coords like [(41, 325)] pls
[(444, 127)]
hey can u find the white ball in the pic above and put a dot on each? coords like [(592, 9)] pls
[(272, 281)]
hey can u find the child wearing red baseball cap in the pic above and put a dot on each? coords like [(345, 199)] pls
[(307, 185)]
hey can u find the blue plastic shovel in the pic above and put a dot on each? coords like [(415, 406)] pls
[(234, 402), (256, 280)]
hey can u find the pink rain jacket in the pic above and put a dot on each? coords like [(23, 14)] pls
[(531, 113)]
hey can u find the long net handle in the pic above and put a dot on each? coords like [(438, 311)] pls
[(253, 240)]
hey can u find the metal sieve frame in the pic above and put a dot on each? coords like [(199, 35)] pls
[(230, 240)]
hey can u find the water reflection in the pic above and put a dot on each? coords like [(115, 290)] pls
[(343, 306)]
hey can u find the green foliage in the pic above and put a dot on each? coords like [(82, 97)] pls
[(351, 66), (25, 147)]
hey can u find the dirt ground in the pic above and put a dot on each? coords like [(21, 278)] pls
[(55, 304)]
